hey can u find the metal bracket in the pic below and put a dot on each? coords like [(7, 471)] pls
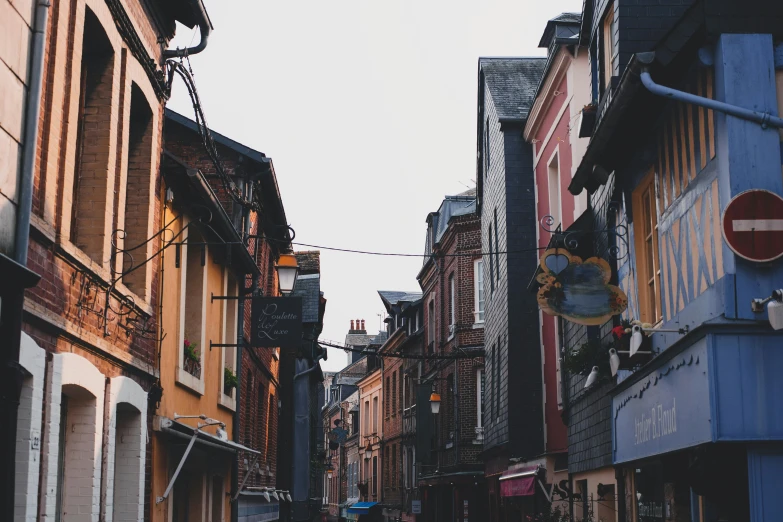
[(247, 476), (159, 500), (757, 305)]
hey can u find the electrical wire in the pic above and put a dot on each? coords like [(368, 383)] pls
[(396, 254), (399, 355)]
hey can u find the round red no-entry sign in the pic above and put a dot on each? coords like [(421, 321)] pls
[(753, 225)]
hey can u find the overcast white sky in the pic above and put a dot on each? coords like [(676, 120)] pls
[(368, 110)]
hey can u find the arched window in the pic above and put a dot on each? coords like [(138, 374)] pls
[(91, 217)]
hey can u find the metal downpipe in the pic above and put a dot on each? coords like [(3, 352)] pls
[(205, 27), (32, 117), (762, 118)]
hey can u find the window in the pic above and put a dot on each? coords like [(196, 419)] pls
[(480, 398), (452, 307), (496, 377), (262, 424), (609, 57), (229, 328), (193, 309), (478, 291), (388, 387), (394, 482), (646, 241), (558, 350), (487, 151), (554, 192), (431, 326), (491, 269), (367, 417), (139, 191), (375, 476), (91, 216), (375, 414), (394, 393), (497, 247)]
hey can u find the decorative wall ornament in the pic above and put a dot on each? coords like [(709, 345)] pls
[(578, 290), (610, 240)]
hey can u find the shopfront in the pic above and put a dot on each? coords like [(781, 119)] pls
[(697, 436)]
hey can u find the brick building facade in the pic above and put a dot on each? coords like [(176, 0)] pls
[(450, 477), (90, 341), (405, 337)]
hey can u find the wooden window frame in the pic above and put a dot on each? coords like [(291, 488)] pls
[(608, 45), (648, 277)]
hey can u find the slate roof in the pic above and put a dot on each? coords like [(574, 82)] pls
[(308, 287), (358, 339), (392, 297), (574, 18), (512, 83)]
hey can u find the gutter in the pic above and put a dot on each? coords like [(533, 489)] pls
[(765, 119), (205, 28), (32, 117)]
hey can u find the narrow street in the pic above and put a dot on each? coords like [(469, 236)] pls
[(191, 331)]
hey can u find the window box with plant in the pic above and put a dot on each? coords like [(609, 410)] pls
[(230, 381), (191, 359)]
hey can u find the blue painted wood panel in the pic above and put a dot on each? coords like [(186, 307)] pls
[(667, 410), (747, 376), (765, 474)]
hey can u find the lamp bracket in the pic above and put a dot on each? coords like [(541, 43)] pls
[(757, 305)]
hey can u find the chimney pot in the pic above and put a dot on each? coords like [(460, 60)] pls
[(362, 324), (352, 324)]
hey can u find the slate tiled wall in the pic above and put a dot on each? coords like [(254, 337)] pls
[(511, 320)]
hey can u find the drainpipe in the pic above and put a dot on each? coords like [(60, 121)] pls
[(31, 134), (205, 27), (238, 389), (11, 372), (762, 118)]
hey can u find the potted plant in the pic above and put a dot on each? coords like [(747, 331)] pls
[(230, 380), (587, 120), (192, 359)]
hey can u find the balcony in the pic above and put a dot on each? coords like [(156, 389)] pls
[(409, 420), (479, 435)]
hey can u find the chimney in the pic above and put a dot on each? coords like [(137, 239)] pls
[(351, 324), (362, 324)]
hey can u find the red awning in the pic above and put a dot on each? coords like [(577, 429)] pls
[(520, 482)]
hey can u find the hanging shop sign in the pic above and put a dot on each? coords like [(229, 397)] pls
[(752, 225), (578, 290), (276, 322)]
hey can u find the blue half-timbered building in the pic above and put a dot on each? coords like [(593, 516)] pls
[(697, 423)]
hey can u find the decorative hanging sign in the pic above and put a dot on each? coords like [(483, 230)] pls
[(578, 290), (276, 322)]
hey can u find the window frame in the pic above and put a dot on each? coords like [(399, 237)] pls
[(647, 246), (480, 398), (554, 194), (608, 43), (184, 378), (479, 299), (230, 315), (452, 306)]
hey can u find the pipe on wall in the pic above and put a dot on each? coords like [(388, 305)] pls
[(30, 146), (205, 27), (762, 118)]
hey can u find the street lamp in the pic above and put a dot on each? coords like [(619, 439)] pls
[(287, 270), (435, 402), (328, 473), (368, 452)]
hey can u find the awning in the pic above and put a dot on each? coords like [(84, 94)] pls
[(519, 482), (362, 508)]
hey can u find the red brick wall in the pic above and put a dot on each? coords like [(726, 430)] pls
[(458, 413)]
